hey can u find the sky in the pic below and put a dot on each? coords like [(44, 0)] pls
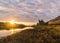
[(29, 10)]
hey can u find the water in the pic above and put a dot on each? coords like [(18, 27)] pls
[(4, 33)]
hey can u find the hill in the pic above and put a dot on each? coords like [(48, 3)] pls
[(55, 21), (7, 25)]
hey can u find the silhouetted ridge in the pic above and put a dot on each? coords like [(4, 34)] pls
[(55, 21)]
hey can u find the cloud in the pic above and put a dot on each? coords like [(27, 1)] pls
[(30, 10), (3, 8)]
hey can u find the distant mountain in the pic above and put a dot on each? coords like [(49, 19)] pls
[(7, 26), (55, 21)]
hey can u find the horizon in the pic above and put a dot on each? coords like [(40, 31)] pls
[(25, 23), (29, 21)]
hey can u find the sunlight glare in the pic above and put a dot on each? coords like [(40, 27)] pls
[(12, 21)]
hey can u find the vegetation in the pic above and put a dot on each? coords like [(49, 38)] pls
[(7, 25), (42, 33), (55, 21)]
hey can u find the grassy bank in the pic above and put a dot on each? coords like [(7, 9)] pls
[(40, 34)]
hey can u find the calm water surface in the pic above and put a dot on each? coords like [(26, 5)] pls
[(4, 33)]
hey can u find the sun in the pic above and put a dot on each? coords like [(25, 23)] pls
[(12, 21)]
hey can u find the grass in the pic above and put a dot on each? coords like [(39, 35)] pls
[(40, 34)]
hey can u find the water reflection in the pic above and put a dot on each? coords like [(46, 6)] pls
[(4, 33)]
